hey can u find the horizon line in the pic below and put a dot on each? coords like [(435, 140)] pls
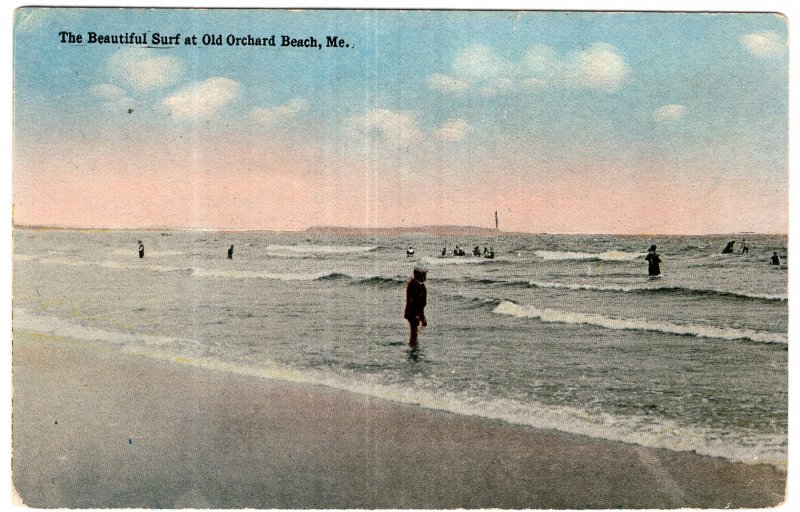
[(355, 228)]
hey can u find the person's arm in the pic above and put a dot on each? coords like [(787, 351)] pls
[(423, 303)]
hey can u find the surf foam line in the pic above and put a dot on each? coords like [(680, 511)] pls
[(55, 326), (319, 249), (655, 289), (456, 260), (257, 274), (637, 324), (615, 288), (585, 256), (198, 272), (661, 433)]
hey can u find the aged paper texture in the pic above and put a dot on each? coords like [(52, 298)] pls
[(269, 258)]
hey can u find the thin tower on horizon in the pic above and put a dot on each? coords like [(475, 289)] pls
[(496, 221)]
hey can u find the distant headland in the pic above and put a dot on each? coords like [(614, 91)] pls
[(436, 230)]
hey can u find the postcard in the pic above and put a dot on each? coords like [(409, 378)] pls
[(384, 259)]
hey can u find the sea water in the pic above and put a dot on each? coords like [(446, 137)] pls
[(560, 332)]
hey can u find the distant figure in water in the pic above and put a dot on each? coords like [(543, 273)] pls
[(416, 299), (654, 261), (489, 254), (745, 247), (141, 249), (776, 260), (409, 252), (444, 251), (230, 252), (729, 248)]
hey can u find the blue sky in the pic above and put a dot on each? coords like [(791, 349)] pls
[(429, 116)]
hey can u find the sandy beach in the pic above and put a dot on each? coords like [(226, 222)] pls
[(95, 427)]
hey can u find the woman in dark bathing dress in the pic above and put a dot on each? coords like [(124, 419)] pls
[(653, 260)]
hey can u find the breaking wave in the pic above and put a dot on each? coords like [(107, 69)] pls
[(603, 256), (656, 289), (637, 324), (319, 249)]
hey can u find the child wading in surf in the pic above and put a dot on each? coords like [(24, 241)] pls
[(416, 299)]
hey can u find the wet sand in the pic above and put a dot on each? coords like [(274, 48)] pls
[(96, 427)]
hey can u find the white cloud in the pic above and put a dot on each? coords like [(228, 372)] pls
[(542, 63), (447, 83), (114, 97), (500, 86), (202, 100), (671, 112), (453, 129), (479, 62), (764, 44), (386, 125), (600, 66), (279, 114), (475, 65), (144, 69)]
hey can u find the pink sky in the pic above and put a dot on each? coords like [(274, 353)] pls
[(221, 186)]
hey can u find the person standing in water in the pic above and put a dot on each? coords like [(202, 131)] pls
[(653, 261), (230, 253), (776, 260), (416, 299), (141, 249), (745, 247)]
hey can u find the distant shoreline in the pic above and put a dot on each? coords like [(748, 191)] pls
[(434, 230)]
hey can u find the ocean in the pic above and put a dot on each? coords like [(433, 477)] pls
[(563, 332)]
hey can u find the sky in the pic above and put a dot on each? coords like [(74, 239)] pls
[(631, 123)]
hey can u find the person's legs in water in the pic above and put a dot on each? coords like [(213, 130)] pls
[(413, 324)]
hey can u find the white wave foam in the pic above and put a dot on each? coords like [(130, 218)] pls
[(637, 324), (318, 249), (643, 431), (54, 326), (257, 274), (766, 296), (198, 272), (455, 260), (150, 254), (122, 265), (589, 287), (23, 257), (634, 288), (65, 261), (603, 256)]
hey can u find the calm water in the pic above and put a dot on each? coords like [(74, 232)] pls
[(558, 331)]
